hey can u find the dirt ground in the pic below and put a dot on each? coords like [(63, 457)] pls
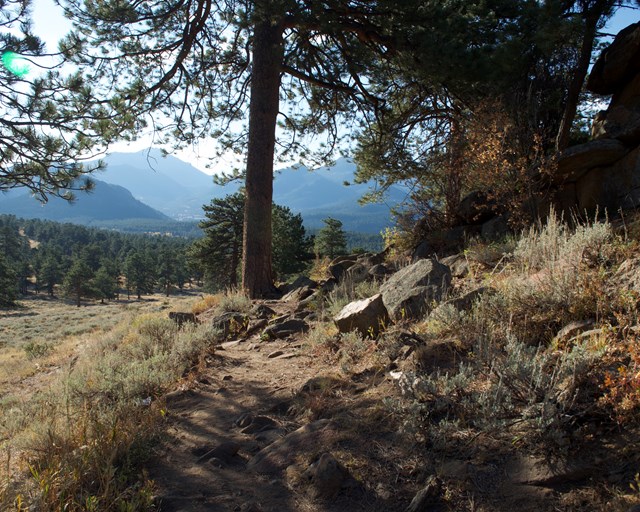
[(296, 388), (247, 433)]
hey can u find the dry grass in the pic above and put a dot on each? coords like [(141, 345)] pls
[(76, 418), (43, 333)]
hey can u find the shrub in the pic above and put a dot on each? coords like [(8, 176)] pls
[(84, 439), (234, 300), (34, 350), (206, 303)]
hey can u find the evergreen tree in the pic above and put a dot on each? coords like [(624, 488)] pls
[(49, 274), (206, 64), (473, 78), (331, 240), (167, 270), (8, 283), (219, 252), (15, 249), (48, 121), (77, 281), (291, 245), (138, 270), (104, 283)]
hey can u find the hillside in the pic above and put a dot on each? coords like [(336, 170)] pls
[(507, 383), (179, 190), (105, 203)]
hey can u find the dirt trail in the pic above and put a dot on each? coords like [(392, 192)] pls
[(205, 463)]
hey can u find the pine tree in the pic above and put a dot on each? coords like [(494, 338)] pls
[(167, 271), (291, 245), (331, 240), (104, 283), (8, 283), (219, 252), (138, 270), (48, 122), (202, 66), (49, 274), (77, 281)]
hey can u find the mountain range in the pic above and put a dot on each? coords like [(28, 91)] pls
[(106, 202), (147, 185)]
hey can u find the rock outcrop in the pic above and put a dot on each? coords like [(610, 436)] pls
[(604, 173), (410, 292), (366, 316)]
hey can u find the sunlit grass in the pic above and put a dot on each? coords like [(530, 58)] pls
[(71, 413)]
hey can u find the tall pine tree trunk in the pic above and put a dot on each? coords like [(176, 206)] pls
[(257, 276), (592, 15)]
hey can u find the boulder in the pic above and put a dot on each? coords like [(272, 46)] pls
[(370, 259), (258, 424), (282, 453), (410, 292), (300, 282), (339, 265), (574, 329), (224, 452), (618, 63), (464, 302), (285, 328), (298, 294), (496, 228), (627, 277), (589, 190), (379, 271), (256, 325), (627, 180), (422, 251), (577, 160), (366, 316), (618, 122), (630, 94), (231, 323), (458, 264), (262, 311), (326, 477), (427, 497), (358, 272), (305, 303)]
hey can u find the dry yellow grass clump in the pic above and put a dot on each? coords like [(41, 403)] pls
[(74, 441)]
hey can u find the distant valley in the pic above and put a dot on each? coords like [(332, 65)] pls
[(147, 187)]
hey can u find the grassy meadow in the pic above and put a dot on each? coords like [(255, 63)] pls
[(76, 393)]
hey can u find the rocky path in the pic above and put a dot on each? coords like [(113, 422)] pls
[(270, 427), (278, 426)]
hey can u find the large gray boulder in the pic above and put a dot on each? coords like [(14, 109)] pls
[(410, 292), (458, 263), (339, 265), (284, 328), (366, 316), (618, 63), (300, 282), (577, 160), (618, 122)]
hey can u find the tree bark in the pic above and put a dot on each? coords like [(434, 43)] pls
[(257, 276), (591, 18), (235, 259)]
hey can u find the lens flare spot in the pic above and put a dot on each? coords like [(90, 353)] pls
[(17, 65)]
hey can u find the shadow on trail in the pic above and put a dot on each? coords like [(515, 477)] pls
[(205, 419)]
